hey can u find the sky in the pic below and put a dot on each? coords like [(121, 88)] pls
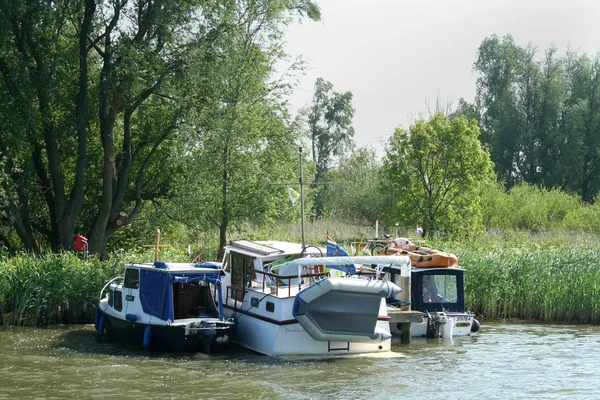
[(399, 57)]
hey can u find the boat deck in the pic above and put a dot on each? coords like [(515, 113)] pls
[(398, 316)]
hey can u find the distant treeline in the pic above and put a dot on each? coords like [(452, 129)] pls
[(539, 115)]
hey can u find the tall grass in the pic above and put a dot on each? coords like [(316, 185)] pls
[(547, 278), (51, 288)]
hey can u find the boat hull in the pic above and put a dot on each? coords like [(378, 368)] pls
[(462, 325), (164, 337)]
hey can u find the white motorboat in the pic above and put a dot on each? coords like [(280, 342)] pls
[(165, 306), (439, 294), (284, 302)]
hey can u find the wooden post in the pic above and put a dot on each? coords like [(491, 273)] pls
[(405, 286), (157, 245), (362, 236), (404, 332)]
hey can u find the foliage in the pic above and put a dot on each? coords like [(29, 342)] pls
[(98, 102), (436, 173), (52, 288), (527, 207), (330, 128), (353, 194), (540, 118), (547, 278), (242, 139)]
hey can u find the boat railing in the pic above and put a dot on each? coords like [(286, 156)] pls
[(115, 280), (277, 284)]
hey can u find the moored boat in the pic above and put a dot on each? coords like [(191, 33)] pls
[(284, 305), (439, 294), (437, 290), (165, 306)]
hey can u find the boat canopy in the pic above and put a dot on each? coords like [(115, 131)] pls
[(156, 290)]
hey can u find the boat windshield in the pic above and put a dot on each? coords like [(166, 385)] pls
[(441, 290)]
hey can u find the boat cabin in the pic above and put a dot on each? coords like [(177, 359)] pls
[(438, 289), (167, 293)]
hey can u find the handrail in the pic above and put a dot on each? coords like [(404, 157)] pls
[(287, 278), (108, 284), (231, 291)]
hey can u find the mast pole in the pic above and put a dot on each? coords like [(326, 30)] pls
[(302, 199)]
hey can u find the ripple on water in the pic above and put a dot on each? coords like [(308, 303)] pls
[(504, 361)]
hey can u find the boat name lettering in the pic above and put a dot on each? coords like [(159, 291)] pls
[(294, 330), (467, 319), (129, 297)]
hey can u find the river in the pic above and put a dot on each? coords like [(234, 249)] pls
[(504, 361)]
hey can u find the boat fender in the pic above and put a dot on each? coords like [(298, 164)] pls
[(96, 318), (382, 334), (101, 326), (146, 340), (475, 326), (131, 317)]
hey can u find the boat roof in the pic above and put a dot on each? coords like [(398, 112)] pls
[(173, 267), (269, 248)]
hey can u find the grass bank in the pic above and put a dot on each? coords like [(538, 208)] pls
[(551, 277)]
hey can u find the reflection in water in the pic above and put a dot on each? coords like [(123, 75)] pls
[(503, 361)]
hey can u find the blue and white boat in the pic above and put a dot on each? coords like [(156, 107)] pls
[(168, 306)]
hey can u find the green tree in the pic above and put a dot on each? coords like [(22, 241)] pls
[(76, 75), (500, 94), (435, 173), (581, 126), (96, 101), (330, 129), (353, 194), (244, 140)]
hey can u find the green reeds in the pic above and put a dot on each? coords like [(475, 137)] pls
[(550, 277), (51, 288), (547, 279)]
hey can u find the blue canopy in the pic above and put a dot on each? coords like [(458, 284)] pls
[(156, 290)]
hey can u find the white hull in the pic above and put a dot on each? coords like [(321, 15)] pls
[(461, 326), (283, 340)]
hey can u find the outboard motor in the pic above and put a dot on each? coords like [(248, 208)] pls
[(435, 324)]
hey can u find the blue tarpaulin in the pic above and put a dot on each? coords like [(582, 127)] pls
[(156, 294), (156, 289)]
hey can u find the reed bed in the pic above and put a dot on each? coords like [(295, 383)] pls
[(541, 279), (552, 277), (51, 288)]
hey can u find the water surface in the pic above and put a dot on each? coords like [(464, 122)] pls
[(502, 362)]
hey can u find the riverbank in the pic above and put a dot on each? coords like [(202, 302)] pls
[(550, 278)]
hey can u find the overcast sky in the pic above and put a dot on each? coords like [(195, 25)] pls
[(398, 57)]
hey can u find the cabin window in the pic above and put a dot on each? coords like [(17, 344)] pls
[(111, 297), (227, 263), (132, 278), (270, 306), (118, 300), (440, 289), (254, 302)]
